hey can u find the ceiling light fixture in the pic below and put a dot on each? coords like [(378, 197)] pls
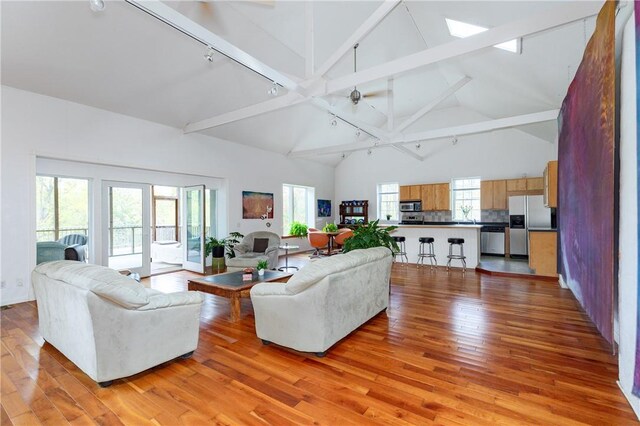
[(418, 146), (343, 155), (464, 30), (369, 151), (209, 54), (273, 91), (454, 140), (334, 121), (96, 5), (358, 133)]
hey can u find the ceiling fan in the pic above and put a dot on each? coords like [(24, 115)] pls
[(355, 96)]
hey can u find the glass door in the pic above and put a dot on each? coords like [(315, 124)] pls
[(194, 229), (126, 239)]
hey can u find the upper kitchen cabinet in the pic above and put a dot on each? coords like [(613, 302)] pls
[(428, 197), (525, 186), (442, 196), (493, 195), (410, 192), (435, 196), (535, 185), (550, 181)]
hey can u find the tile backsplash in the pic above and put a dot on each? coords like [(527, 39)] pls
[(494, 216), (439, 216)]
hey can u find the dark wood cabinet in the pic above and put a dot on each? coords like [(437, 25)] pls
[(353, 213)]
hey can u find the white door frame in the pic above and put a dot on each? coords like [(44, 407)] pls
[(198, 266), (145, 269)]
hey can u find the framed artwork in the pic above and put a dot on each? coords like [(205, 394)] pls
[(257, 205), (324, 208)]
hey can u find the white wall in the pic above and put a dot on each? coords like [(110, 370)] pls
[(500, 154), (39, 126), (628, 232)]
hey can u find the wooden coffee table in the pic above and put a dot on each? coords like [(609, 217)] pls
[(231, 286)]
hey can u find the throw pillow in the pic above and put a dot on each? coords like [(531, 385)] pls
[(260, 245)]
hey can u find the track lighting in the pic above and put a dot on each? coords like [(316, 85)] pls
[(358, 133), (334, 121), (96, 5), (343, 156), (454, 140), (209, 54), (274, 89), (418, 145), (369, 151)]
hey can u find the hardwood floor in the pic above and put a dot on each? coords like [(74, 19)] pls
[(454, 350)]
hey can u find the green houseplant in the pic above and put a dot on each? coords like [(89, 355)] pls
[(370, 235), (233, 239), (330, 227), (214, 247), (262, 265), (298, 229)]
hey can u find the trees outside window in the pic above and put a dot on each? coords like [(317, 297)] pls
[(62, 207), (297, 206), (465, 197)]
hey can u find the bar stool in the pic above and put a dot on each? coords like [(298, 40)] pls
[(461, 256), (402, 250), (427, 252)]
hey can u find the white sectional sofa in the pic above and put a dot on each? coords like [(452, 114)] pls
[(324, 301), (110, 325)]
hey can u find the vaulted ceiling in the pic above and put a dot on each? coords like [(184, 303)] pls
[(124, 60)]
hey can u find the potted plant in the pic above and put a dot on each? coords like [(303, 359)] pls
[(298, 229), (370, 235), (233, 239), (330, 227), (262, 265), (215, 248), (388, 217)]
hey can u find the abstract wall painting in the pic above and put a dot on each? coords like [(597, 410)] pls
[(586, 177), (324, 208), (636, 375), (257, 205)]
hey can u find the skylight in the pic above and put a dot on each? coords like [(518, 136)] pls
[(463, 30)]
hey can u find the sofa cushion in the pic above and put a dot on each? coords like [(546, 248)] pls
[(103, 281), (316, 271), (260, 245)]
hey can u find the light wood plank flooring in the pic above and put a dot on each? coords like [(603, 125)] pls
[(454, 350)]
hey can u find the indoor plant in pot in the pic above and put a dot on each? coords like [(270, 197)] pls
[(215, 247), (298, 229), (330, 227), (370, 235), (262, 265)]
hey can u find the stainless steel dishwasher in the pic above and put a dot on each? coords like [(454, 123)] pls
[(492, 240)]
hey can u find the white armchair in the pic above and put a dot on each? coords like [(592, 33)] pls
[(110, 325), (255, 246)]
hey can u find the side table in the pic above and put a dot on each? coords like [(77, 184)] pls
[(286, 247)]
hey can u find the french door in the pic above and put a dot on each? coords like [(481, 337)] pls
[(194, 230), (126, 225)]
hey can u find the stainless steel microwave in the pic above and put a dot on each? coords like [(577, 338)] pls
[(411, 206)]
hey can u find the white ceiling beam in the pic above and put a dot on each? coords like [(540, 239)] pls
[(290, 99), (309, 42), (434, 103), (538, 22), (407, 151), (465, 129), (322, 103), (371, 22), (185, 25), (390, 107)]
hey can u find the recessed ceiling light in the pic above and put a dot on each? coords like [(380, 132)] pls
[(464, 30)]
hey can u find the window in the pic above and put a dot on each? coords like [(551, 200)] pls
[(464, 30), (164, 217), (297, 206), (388, 201), (62, 207), (465, 195)]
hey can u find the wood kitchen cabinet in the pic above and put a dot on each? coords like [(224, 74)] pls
[(428, 197), (535, 185), (410, 192), (435, 197), (442, 196), (525, 186), (493, 195), (543, 253), (517, 185), (550, 182)]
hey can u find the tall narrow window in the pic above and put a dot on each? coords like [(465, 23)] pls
[(62, 207), (297, 206), (465, 195), (388, 201), (164, 217)]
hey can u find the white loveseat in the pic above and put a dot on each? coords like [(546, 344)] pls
[(110, 325), (324, 301)]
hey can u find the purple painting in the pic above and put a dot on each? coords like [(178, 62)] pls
[(586, 177), (636, 375)]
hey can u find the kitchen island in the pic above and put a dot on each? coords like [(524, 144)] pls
[(470, 233)]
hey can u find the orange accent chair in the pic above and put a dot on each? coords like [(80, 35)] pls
[(318, 240), (345, 233)]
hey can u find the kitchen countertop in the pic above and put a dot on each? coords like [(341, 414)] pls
[(542, 230)]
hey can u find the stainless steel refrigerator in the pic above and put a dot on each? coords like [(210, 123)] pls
[(525, 212)]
